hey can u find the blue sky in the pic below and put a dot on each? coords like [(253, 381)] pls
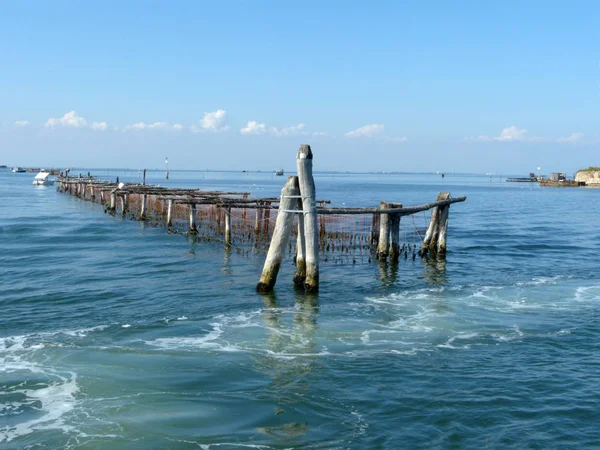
[(476, 86)]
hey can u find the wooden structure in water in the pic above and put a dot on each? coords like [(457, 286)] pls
[(296, 223)]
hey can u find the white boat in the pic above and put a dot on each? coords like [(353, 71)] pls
[(41, 179), (279, 172), (18, 169)]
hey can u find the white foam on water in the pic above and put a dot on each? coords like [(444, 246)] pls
[(53, 395), (83, 332), (459, 337), (182, 318), (126, 325)]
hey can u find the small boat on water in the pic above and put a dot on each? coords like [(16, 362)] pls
[(279, 172), (19, 170), (41, 179)]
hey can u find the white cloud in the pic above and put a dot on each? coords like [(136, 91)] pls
[(368, 131), (288, 131), (177, 127), (99, 126), (22, 123), (254, 127), (575, 137), (214, 121), (70, 119), (515, 134), (146, 126), (395, 139)]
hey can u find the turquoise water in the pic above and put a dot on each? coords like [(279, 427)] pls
[(115, 334)]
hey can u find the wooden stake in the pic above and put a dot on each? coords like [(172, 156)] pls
[(281, 235), (227, 226), (143, 209), (300, 275), (444, 214), (431, 236), (304, 162), (193, 227), (395, 235), (113, 201), (384, 234), (170, 214), (123, 204)]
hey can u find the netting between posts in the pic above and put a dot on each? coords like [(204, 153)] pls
[(343, 237)]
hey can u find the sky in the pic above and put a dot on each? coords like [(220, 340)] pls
[(465, 86)]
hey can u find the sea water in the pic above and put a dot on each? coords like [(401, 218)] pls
[(115, 334)]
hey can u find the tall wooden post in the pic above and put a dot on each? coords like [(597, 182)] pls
[(304, 162), (143, 208), (444, 214), (227, 226), (101, 197), (281, 235), (258, 220), (193, 227), (300, 275), (430, 243), (92, 193), (383, 246), (113, 201), (123, 204), (144, 179), (395, 235), (170, 213), (266, 219)]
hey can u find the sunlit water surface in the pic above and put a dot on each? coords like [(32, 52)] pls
[(115, 334)]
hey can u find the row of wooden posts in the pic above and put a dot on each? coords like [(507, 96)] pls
[(298, 197)]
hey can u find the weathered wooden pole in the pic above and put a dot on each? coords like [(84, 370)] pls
[(430, 242), (143, 207), (395, 234), (92, 193), (192, 211), (304, 163), (383, 247), (281, 235), (170, 213), (443, 225), (144, 179), (123, 204), (113, 201), (266, 219), (258, 220), (101, 197), (300, 275), (228, 226)]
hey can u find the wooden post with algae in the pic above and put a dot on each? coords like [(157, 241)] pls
[(281, 235), (170, 213), (304, 163), (193, 226)]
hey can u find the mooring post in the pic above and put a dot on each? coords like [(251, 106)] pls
[(430, 243), (144, 179), (143, 207), (192, 210), (383, 247), (258, 220), (300, 275), (443, 225), (395, 233), (170, 213), (113, 201), (92, 193), (228, 226), (123, 203), (281, 235), (101, 197), (304, 162), (266, 220)]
